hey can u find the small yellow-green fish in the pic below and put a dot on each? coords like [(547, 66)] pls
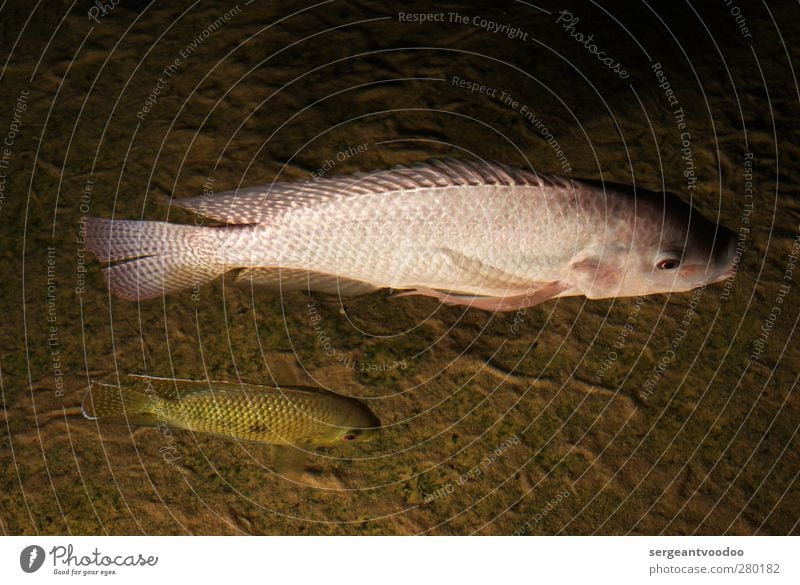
[(289, 415)]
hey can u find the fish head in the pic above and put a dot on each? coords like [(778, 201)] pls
[(357, 424), (356, 435), (662, 246), (691, 252)]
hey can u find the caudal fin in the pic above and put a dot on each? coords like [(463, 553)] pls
[(119, 404), (157, 257)]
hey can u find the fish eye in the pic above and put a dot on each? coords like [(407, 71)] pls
[(668, 264), (349, 437)]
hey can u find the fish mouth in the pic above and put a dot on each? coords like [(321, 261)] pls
[(368, 436)]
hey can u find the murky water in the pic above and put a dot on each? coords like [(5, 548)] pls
[(674, 414)]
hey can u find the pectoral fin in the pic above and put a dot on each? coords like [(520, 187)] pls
[(472, 269), (596, 279), (290, 461)]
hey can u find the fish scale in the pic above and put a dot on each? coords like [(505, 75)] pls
[(241, 416), (376, 254), (286, 415), (474, 233)]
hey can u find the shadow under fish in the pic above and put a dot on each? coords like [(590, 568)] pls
[(286, 415)]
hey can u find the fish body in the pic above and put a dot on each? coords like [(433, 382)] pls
[(472, 233), (281, 416)]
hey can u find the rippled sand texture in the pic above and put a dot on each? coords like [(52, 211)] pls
[(666, 414)]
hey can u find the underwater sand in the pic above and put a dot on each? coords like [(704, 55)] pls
[(558, 420)]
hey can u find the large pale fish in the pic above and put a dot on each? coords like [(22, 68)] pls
[(480, 234), (288, 415)]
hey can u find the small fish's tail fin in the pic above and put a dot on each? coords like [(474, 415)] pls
[(118, 404), (158, 257)]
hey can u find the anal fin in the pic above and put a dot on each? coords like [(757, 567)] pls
[(496, 304), (292, 279)]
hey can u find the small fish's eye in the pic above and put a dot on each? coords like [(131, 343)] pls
[(668, 264), (349, 437)]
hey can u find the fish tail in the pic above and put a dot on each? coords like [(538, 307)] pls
[(157, 257), (103, 401)]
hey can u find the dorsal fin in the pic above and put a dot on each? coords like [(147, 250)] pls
[(176, 388), (259, 204)]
